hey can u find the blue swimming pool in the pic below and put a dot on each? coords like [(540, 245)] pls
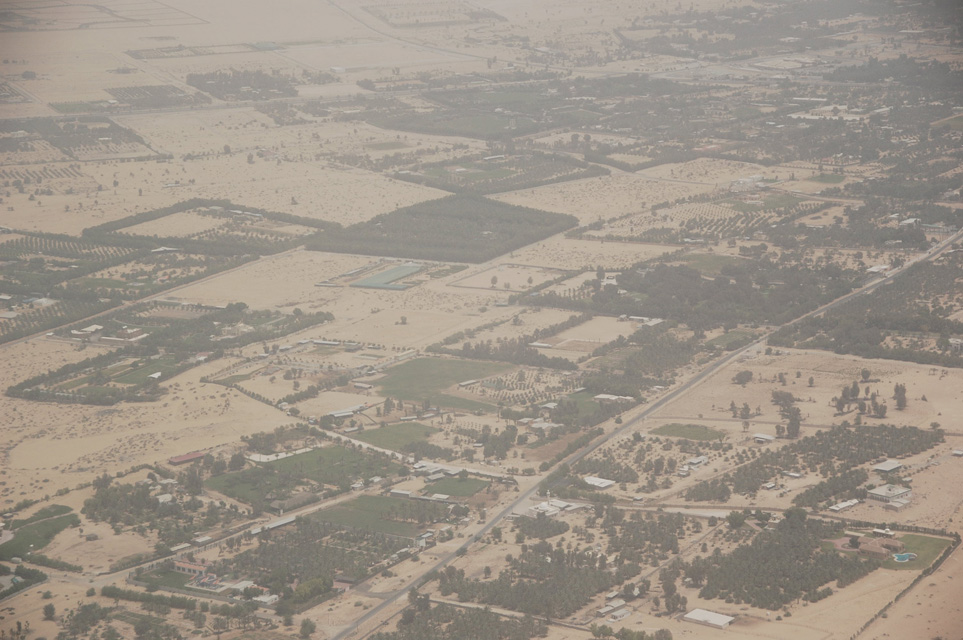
[(904, 557)]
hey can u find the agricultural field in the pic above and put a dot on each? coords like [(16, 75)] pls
[(457, 229), (397, 436), (688, 431), (433, 379), (331, 468), (499, 173), (379, 514), (458, 487)]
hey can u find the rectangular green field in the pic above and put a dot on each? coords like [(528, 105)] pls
[(371, 513), (458, 487), (161, 578), (140, 375), (688, 431), (334, 465), (729, 338), (828, 178), (424, 378), (397, 436)]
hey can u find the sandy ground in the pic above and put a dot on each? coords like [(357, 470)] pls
[(51, 446), (568, 253), (603, 198)]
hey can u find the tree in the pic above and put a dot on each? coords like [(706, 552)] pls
[(899, 394), (49, 611), (494, 281), (865, 373), (742, 378), (736, 519), (795, 422), (307, 628)]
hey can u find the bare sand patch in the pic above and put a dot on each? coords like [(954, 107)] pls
[(603, 198), (573, 254)]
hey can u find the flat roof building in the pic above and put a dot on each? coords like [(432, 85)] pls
[(889, 493), (888, 466), (598, 483), (708, 618)]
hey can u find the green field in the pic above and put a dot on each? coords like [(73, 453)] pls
[(827, 178), (373, 513), (709, 263), (161, 578), (688, 431), (334, 465), (397, 436), (926, 548), (732, 337), (458, 487), (424, 378), (140, 374), (35, 536), (42, 514)]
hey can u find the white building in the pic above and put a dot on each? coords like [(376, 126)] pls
[(890, 492), (598, 483), (708, 618), (888, 467)]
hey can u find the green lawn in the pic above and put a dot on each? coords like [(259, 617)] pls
[(827, 178), (585, 401), (139, 374), (458, 487), (35, 536), (709, 263), (43, 514), (424, 378), (334, 465), (729, 338), (378, 513), (161, 578), (926, 548), (688, 431), (397, 436)]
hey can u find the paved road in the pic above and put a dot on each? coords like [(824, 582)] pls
[(649, 410)]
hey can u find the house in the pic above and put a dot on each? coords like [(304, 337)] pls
[(888, 467), (762, 438), (620, 615), (890, 492), (191, 568), (958, 453), (708, 618), (695, 462)]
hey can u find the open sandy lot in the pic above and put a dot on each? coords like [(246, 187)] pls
[(55, 446), (572, 254), (603, 198)]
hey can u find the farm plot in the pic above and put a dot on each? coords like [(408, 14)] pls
[(427, 378), (457, 228), (333, 467), (394, 516), (397, 436), (500, 173)]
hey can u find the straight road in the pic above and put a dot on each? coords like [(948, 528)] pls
[(632, 423)]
